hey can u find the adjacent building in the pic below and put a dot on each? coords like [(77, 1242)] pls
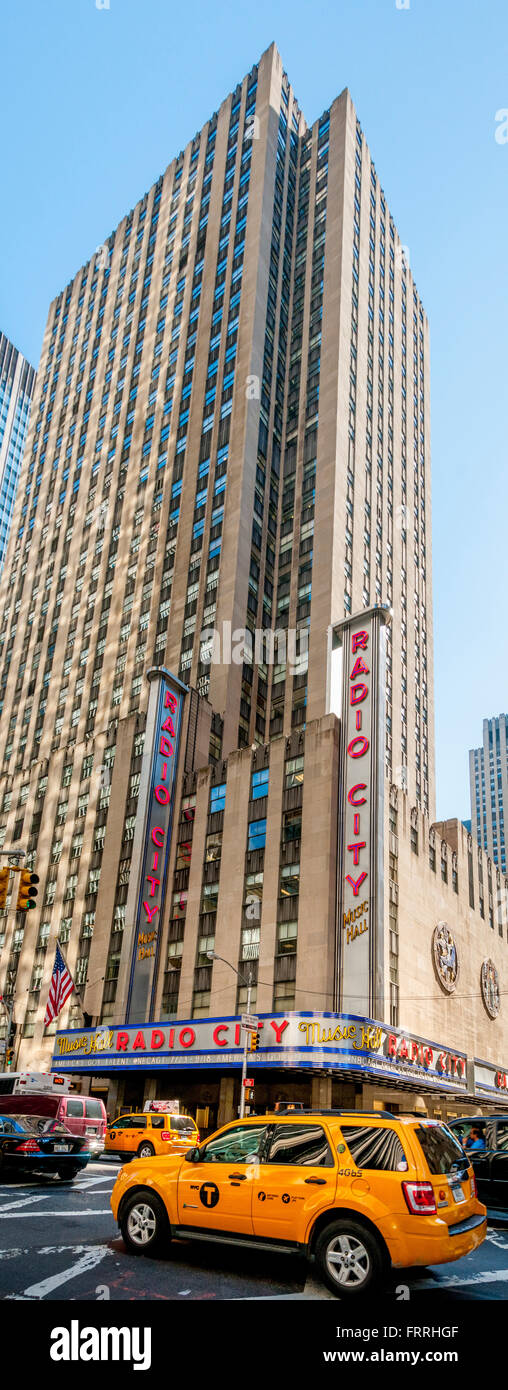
[(488, 783), (17, 385), (227, 470)]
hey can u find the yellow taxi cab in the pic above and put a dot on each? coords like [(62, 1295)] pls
[(148, 1135), (359, 1193)]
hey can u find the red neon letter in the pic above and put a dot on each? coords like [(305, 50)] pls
[(353, 799), (392, 1045), (171, 701), (358, 693), (139, 1041), (359, 639), (153, 881), (165, 746), (157, 830), (361, 751), (279, 1028), (157, 1038), (355, 850), (355, 886), (150, 911), (359, 669), (162, 795), (122, 1042), (221, 1028), (191, 1037)]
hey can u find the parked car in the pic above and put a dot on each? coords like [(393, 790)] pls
[(83, 1115), (149, 1134), (362, 1193), (490, 1162), (32, 1143)]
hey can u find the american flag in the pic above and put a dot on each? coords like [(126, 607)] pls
[(62, 985)]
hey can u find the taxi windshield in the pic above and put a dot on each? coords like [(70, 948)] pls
[(442, 1152)]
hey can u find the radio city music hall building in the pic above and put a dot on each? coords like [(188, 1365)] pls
[(230, 437)]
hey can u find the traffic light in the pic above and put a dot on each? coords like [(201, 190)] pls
[(254, 1042), (9, 1056), (4, 885), (27, 891)]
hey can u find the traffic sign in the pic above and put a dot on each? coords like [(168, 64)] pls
[(249, 1081), (249, 1022)]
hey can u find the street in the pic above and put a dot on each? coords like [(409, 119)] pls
[(59, 1241)]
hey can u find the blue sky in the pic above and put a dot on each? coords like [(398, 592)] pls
[(96, 101)]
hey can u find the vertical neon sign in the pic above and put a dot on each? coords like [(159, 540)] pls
[(357, 684), (152, 840)]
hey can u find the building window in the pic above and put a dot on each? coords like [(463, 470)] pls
[(284, 996), (217, 798), (256, 838), (294, 772), (290, 880), (259, 783)]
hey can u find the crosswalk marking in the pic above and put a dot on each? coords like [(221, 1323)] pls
[(88, 1261)]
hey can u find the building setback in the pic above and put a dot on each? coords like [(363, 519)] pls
[(17, 385), (243, 364)]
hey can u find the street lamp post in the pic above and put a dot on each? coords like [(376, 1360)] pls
[(212, 955)]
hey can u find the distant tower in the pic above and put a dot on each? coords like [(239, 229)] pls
[(488, 781), (17, 383)]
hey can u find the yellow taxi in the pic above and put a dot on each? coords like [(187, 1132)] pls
[(148, 1135), (359, 1193)]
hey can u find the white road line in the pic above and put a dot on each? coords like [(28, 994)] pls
[(87, 1262), (24, 1201), (61, 1212), (86, 1182), (484, 1276), (17, 1251), (313, 1290), (496, 1237)]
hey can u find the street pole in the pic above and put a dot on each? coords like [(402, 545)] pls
[(245, 1041), (212, 955), (9, 1009)]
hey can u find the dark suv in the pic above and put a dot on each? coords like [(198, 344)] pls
[(490, 1163)]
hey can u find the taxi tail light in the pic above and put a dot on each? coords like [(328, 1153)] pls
[(474, 1189), (166, 1134), (419, 1197), (30, 1146)]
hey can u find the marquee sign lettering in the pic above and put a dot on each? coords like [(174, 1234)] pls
[(357, 685), (152, 839), (346, 1044)]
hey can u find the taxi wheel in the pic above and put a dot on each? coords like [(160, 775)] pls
[(144, 1223), (146, 1151), (349, 1257)]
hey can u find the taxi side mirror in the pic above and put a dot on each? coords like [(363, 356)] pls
[(193, 1155)]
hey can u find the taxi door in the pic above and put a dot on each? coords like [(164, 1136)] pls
[(115, 1135), (216, 1193), (135, 1132), (296, 1181)]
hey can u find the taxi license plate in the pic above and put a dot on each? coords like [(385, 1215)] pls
[(457, 1193), (62, 1148)]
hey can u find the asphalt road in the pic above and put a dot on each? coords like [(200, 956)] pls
[(59, 1242)]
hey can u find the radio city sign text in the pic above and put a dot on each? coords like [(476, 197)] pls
[(158, 833), (355, 917)]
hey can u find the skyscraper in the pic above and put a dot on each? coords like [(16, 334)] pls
[(488, 784), (17, 384), (230, 437)]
